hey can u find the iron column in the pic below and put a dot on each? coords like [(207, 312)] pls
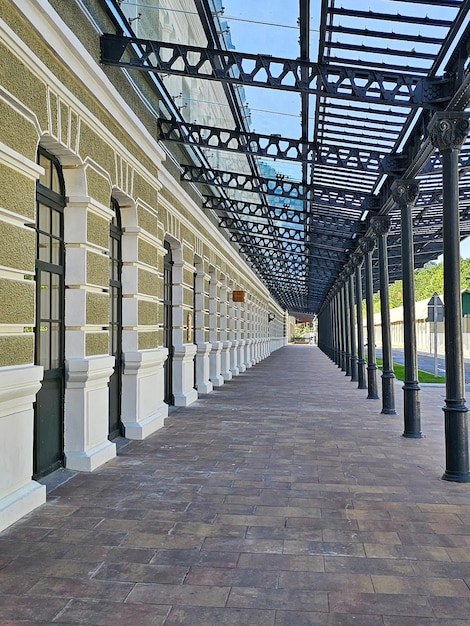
[(405, 192), (361, 364), (447, 131), (367, 247), (347, 325), (381, 225), (352, 326), (344, 359)]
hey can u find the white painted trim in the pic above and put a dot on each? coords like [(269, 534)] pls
[(21, 502), (18, 162), (19, 107), (18, 388)]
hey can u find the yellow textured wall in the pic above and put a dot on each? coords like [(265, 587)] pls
[(97, 269), (95, 148), (150, 340), (188, 297), (97, 309), (97, 230), (148, 313), (17, 302), (145, 191), (147, 253), (147, 221), (96, 343), (150, 284), (27, 88), (17, 193), (188, 277), (98, 186), (17, 247), (16, 350)]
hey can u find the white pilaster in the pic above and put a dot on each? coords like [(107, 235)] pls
[(183, 374), (203, 382), (225, 361), (241, 356), (143, 410), (19, 494), (86, 443), (216, 377), (234, 358)]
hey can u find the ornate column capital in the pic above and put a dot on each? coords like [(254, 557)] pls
[(380, 224), (348, 269), (448, 129), (371, 203), (356, 259), (405, 191), (366, 245)]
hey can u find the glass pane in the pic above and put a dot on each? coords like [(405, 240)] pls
[(56, 221), (44, 296), (55, 345), (43, 218), (44, 244), (45, 179), (44, 337), (55, 181), (55, 251), (55, 297)]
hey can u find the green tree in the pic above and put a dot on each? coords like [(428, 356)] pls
[(428, 280)]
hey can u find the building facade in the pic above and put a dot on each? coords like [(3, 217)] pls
[(120, 295)]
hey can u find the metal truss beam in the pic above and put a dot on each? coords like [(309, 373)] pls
[(257, 70), (344, 229), (343, 157), (279, 187), (240, 141), (269, 244), (250, 209)]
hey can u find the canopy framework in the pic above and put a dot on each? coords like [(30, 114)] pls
[(367, 90)]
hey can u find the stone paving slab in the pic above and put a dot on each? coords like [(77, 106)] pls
[(284, 498)]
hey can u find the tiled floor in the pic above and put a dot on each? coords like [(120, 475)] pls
[(284, 498)]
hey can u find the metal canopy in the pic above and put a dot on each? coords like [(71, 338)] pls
[(367, 84)]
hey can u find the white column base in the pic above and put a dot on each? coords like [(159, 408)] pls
[(248, 353), (89, 460), (241, 356), (21, 502), (143, 411), (225, 361), (86, 444), (216, 377), (19, 494), (203, 383), (234, 358), (184, 393), (185, 399)]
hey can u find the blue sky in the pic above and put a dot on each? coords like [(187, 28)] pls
[(270, 27)]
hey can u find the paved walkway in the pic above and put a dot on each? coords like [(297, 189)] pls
[(282, 499)]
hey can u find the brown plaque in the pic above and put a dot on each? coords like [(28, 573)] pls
[(238, 296)]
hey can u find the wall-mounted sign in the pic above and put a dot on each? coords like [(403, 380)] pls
[(189, 328), (238, 296)]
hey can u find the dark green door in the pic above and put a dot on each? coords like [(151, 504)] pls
[(168, 323), (49, 328), (115, 323)]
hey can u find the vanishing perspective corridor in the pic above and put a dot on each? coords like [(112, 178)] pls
[(285, 499)]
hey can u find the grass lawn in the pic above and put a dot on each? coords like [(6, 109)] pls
[(423, 377)]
